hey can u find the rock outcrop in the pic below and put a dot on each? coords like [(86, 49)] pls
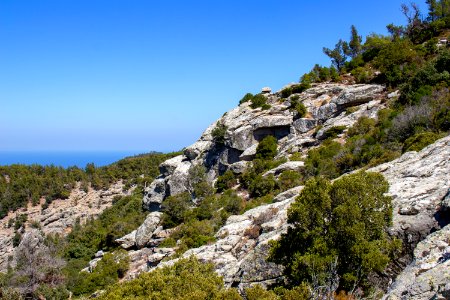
[(59, 216), (245, 127)]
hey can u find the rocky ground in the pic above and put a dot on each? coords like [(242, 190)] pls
[(419, 183), (59, 217)]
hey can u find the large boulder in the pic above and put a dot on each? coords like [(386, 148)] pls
[(146, 231)]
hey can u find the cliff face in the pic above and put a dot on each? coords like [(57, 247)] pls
[(327, 106)]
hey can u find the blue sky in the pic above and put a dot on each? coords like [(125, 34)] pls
[(152, 75)]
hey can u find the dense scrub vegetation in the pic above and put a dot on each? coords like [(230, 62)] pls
[(21, 184)]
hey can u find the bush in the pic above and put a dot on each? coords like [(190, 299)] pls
[(226, 181), (259, 100), (175, 209), (333, 132), (262, 186), (247, 97), (420, 141), (218, 133), (289, 179), (342, 224), (186, 279), (267, 148)]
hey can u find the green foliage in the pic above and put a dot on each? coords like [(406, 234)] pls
[(338, 55), (194, 233), (355, 46), (219, 132), (259, 100), (226, 181), (175, 209), (295, 89), (333, 132), (343, 222), (267, 148), (299, 107), (247, 97), (108, 271), (289, 179), (187, 279), (262, 186), (420, 141), (30, 183)]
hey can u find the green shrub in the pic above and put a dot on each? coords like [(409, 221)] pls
[(340, 225), (226, 181), (420, 141), (289, 179), (247, 97), (259, 100), (267, 148), (333, 132), (218, 133), (194, 233), (262, 186), (186, 279), (175, 209)]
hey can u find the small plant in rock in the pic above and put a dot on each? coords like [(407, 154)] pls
[(247, 97), (267, 148), (218, 133), (259, 100)]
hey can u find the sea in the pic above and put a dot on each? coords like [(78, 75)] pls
[(64, 158)]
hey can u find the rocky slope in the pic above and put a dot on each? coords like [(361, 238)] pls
[(418, 184), (59, 217)]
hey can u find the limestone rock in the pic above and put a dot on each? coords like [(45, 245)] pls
[(128, 241), (287, 166), (249, 153), (428, 276), (238, 167), (303, 125), (145, 232), (154, 194)]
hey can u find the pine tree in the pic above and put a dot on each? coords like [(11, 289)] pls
[(355, 43), (338, 55)]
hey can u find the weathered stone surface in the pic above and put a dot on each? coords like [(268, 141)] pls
[(179, 180), (242, 138), (239, 167), (287, 166), (168, 167), (128, 241), (60, 216), (249, 153), (418, 183), (325, 111), (357, 94), (291, 193), (303, 125), (271, 121), (145, 232), (154, 194), (197, 149), (428, 276)]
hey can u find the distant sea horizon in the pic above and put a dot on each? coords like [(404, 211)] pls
[(64, 158)]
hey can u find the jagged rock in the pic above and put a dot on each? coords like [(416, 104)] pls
[(271, 121), (241, 246), (238, 167), (154, 194), (99, 254), (303, 125), (249, 153), (287, 166), (60, 216), (128, 241), (418, 182), (325, 111), (428, 276), (445, 205), (357, 94), (179, 180), (196, 149), (169, 166), (145, 232), (293, 192), (242, 138)]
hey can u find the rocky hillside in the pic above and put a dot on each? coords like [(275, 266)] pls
[(419, 184), (59, 217)]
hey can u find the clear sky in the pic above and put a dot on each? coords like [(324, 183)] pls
[(152, 75)]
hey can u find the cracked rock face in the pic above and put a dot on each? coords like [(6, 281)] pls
[(428, 276), (246, 127)]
